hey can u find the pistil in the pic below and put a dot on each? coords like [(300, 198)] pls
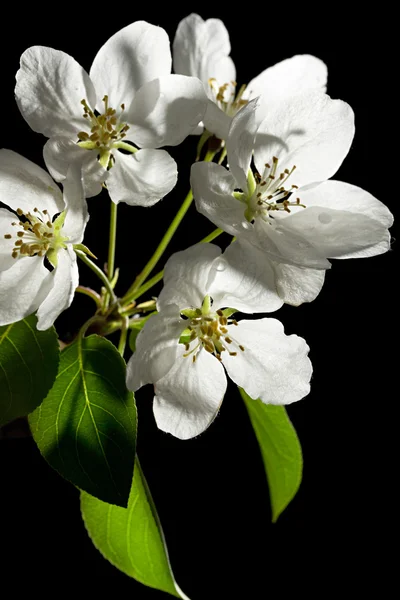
[(211, 331), (271, 194), (106, 129), (37, 234)]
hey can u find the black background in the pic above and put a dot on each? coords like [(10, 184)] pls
[(211, 492)]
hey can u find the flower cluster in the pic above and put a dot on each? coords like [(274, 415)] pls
[(277, 141)]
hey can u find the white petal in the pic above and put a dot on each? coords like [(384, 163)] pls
[(22, 288), (134, 55), (49, 90), (60, 152), (244, 280), (346, 197), (217, 121), (77, 212), (188, 398), (25, 185), (240, 142), (288, 77), (336, 233), (143, 178), (156, 348), (296, 285), (212, 187), (65, 280), (291, 245), (201, 49), (273, 367), (309, 131), (187, 276), (223, 70), (7, 245), (166, 110)]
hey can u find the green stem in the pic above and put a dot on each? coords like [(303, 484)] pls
[(98, 272), (211, 236), (91, 293), (146, 286), (156, 278), (112, 238), (162, 246), (123, 336), (86, 326)]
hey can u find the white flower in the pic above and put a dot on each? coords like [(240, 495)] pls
[(202, 48), (185, 359), (136, 99), (288, 210), (44, 225)]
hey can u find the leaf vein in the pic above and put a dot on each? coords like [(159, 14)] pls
[(82, 371)]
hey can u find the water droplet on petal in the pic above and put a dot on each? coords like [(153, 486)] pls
[(221, 265), (247, 225), (324, 218)]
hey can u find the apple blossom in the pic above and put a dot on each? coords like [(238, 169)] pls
[(287, 209), (136, 99), (184, 348), (202, 48), (44, 224)]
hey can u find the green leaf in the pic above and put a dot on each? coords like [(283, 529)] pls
[(86, 427), (280, 450), (132, 539), (28, 367), (136, 327)]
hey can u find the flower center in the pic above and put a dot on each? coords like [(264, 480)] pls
[(225, 98), (37, 235), (106, 129), (208, 330), (271, 193)]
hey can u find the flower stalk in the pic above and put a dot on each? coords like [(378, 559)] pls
[(100, 274)]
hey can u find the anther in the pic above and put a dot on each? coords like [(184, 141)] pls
[(241, 347), (8, 236)]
